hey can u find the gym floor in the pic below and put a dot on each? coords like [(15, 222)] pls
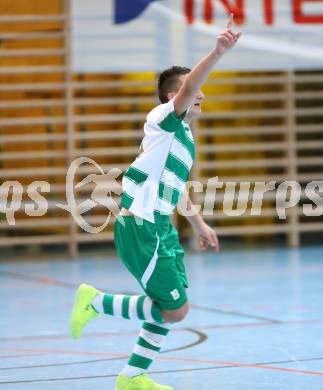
[(256, 322)]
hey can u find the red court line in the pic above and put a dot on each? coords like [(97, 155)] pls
[(127, 333), (177, 359), (238, 364)]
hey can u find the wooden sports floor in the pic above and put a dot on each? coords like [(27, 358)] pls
[(256, 322)]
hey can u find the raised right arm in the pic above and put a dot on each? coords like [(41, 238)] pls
[(199, 74)]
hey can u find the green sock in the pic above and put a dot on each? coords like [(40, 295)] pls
[(130, 307), (151, 339)]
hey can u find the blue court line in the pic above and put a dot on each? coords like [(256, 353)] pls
[(201, 338), (233, 313), (59, 283), (226, 365)]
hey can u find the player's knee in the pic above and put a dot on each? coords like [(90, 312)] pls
[(177, 315)]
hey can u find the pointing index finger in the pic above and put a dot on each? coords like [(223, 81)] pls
[(231, 20)]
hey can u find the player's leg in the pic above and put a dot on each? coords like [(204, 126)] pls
[(151, 339), (172, 316), (150, 342), (173, 242), (90, 302), (165, 287), (136, 243), (145, 253)]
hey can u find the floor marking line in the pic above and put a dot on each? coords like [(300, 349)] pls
[(201, 338), (62, 364), (263, 324), (187, 360), (38, 279), (238, 364), (154, 372), (49, 281), (64, 352), (232, 313), (127, 333), (18, 356), (235, 366)]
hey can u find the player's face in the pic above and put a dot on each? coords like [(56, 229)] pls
[(196, 109)]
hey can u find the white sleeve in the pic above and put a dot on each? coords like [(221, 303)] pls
[(165, 118)]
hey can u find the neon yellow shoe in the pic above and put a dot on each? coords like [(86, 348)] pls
[(140, 382), (83, 311)]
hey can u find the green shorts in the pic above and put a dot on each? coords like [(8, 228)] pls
[(153, 254)]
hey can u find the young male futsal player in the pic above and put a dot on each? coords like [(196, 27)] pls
[(145, 239)]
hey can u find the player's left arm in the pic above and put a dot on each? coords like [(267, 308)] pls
[(205, 233)]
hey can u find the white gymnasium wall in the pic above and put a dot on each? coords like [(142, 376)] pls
[(161, 36)]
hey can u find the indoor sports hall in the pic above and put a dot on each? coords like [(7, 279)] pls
[(77, 80)]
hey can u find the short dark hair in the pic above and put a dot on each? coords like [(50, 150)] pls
[(168, 81)]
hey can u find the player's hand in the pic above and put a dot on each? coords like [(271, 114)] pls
[(228, 38), (207, 237)]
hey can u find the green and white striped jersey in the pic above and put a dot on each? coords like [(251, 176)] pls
[(156, 180)]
